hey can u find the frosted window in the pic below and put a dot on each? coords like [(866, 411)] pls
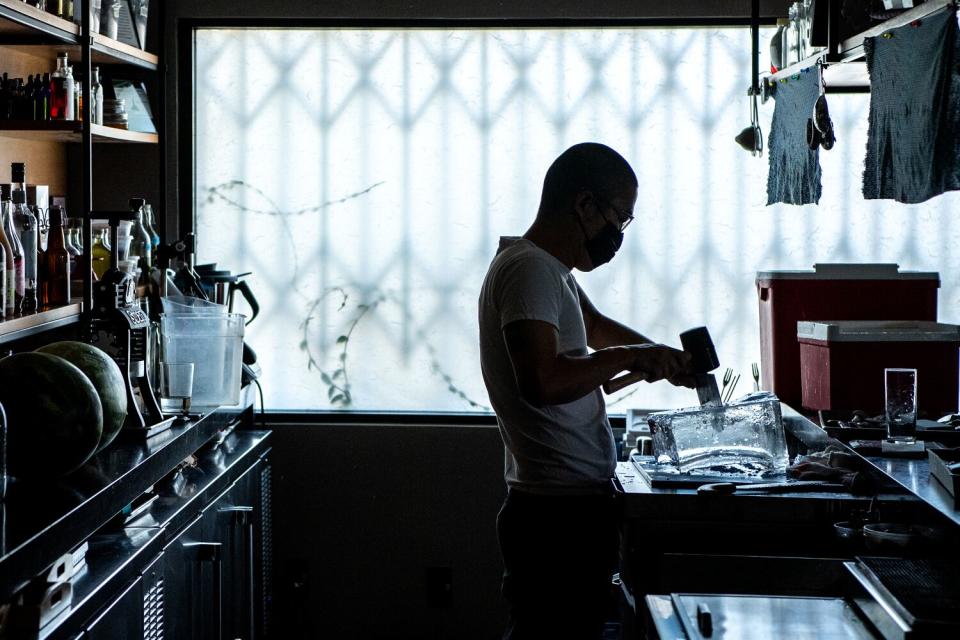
[(365, 176)]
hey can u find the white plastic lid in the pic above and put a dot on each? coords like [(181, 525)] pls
[(850, 271), (878, 331)]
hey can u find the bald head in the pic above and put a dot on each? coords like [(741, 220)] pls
[(588, 166)]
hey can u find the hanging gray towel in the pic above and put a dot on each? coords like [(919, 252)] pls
[(794, 176), (912, 146)]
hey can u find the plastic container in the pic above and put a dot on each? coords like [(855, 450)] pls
[(214, 343), (832, 292), (842, 363)]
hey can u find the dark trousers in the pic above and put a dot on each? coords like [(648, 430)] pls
[(559, 553)]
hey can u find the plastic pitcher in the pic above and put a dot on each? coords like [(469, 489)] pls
[(194, 330)]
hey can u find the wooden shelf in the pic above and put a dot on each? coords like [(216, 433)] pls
[(20, 24), (23, 25), (70, 131), (24, 326), (107, 51)]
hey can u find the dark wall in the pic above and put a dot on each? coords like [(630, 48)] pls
[(368, 517)]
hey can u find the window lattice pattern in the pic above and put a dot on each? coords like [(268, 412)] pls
[(364, 177)]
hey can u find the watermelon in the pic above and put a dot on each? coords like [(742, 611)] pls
[(54, 417), (106, 377)]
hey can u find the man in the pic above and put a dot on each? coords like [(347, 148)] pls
[(558, 528)]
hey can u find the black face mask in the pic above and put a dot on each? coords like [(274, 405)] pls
[(602, 247)]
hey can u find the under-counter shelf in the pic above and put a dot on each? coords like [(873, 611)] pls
[(44, 521), (71, 131), (23, 326), (46, 34)]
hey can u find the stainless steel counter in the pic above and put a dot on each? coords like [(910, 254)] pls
[(914, 476)]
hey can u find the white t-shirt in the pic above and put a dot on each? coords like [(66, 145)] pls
[(564, 448)]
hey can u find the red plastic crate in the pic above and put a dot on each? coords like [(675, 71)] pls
[(842, 364), (832, 292)]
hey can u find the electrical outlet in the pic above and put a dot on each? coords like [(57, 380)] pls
[(439, 586)]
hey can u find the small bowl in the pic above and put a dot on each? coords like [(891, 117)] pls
[(895, 536)]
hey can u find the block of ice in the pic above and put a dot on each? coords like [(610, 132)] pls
[(742, 438)]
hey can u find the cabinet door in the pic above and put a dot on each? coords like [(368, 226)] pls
[(254, 489), (192, 585), (230, 522), (122, 618)]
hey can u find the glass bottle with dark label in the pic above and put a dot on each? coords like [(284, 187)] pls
[(55, 286), (10, 272)]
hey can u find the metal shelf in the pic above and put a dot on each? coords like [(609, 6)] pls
[(24, 326), (851, 69), (45, 520)]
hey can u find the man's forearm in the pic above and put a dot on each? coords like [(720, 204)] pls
[(572, 377), (606, 332)]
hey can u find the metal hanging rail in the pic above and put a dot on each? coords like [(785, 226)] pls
[(851, 49)]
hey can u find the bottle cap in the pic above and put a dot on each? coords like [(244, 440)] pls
[(137, 203), (4, 192), (55, 216), (18, 171), (19, 197)]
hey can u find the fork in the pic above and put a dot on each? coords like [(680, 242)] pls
[(727, 376), (756, 376), (733, 385)]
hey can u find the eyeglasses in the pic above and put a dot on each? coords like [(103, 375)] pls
[(624, 217)]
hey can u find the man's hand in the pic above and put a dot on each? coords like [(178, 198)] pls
[(660, 362)]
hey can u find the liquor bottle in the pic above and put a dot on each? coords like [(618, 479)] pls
[(61, 90), (10, 230), (21, 107), (9, 281), (151, 227), (42, 110), (101, 254), (141, 244), (4, 99), (26, 227), (71, 237), (77, 98), (55, 286), (96, 95), (29, 104)]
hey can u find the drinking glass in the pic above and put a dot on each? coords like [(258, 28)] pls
[(176, 384), (901, 404)]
